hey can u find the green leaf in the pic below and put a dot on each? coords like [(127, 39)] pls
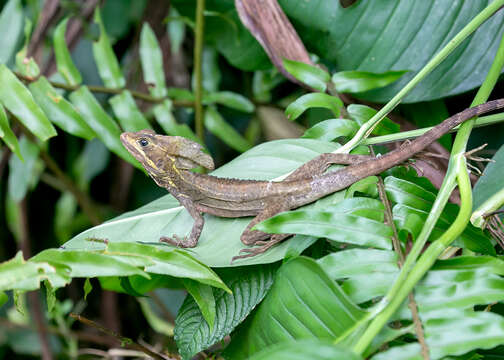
[(157, 323), (7, 134), (165, 216), (152, 62), (453, 333), (21, 275), (313, 100), (27, 66), (333, 223), (59, 110), (362, 113), (305, 349), (11, 25), (351, 262), (310, 75), (489, 183), (248, 285), (392, 41), (164, 117), (331, 129), (303, 303), (91, 162), (360, 81), (216, 124), (209, 69), (102, 124), (50, 296), (3, 298), (413, 205), (203, 295), (88, 287), (167, 261), (64, 62), (23, 173), (229, 99), (18, 100), (106, 61), (87, 264), (176, 31), (127, 112)]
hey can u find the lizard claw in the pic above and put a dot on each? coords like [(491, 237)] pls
[(174, 240)]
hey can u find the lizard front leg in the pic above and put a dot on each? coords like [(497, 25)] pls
[(192, 240)]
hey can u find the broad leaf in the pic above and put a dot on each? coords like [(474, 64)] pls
[(331, 129), (305, 349), (490, 184), (229, 99), (249, 285), (335, 223), (303, 303), (305, 102), (310, 75), (360, 81), (23, 173)]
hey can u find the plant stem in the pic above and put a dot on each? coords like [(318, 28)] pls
[(410, 273), (368, 127), (105, 90), (198, 76), (404, 135)]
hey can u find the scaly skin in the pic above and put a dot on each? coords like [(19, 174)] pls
[(169, 159)]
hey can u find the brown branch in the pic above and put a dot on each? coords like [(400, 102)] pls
[(104, 90), (124, 340), (47, 17)]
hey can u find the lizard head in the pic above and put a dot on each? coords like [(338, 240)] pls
[(161, 154)]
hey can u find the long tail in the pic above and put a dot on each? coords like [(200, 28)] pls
[(345, 177)]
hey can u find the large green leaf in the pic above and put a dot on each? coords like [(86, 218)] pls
[(310, 75), (11, 26), (305, 349), (385, 35), (303, 303), (18, 100), (249, 285), (152, 62), (336, 223), (127, 112), (375, 36), (219, 241)]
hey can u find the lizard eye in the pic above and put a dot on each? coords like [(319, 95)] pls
[(143, 142)]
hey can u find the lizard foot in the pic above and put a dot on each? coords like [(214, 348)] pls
[(174, 240), (263, 247)]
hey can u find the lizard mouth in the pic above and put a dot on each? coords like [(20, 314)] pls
[(128, 142)]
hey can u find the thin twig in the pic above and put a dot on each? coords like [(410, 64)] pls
[(198, 55), (389, 220), (124, 340), (105, 90)]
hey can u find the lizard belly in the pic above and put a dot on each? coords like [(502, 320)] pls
[(230, 209)]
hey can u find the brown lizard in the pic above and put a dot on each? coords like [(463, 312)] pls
[(169, 160)]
